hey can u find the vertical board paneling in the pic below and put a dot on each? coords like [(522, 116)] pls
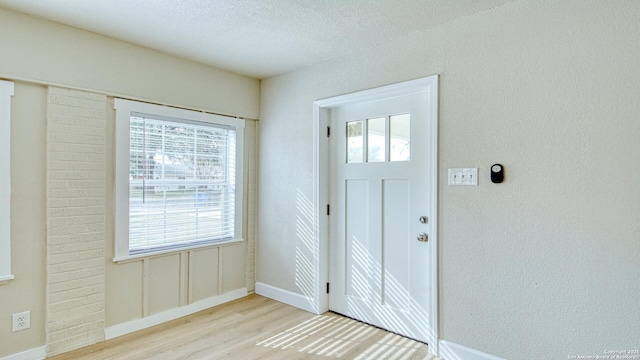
[(232, 270), (124, 292), (185, 281), (164, 283), (204, 270)]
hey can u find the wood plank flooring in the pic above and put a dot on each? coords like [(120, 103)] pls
[(256, 328)]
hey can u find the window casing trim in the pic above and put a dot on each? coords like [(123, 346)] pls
[(159, 253), (6, 92), (124, 110)]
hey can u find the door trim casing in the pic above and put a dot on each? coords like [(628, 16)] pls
[(321, 183)]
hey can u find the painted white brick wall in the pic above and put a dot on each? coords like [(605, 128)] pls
[(251, 139), (76, 190)]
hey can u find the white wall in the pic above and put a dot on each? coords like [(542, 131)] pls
[(545, 265)]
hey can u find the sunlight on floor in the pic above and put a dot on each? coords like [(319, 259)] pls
[(391, 347), (337, 336)]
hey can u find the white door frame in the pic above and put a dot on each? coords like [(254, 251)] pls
[(321, 182)]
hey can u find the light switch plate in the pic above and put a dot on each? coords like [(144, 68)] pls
[(463, 176)]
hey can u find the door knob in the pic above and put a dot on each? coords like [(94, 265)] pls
[(423, 237)]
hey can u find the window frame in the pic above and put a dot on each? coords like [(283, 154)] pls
[(6, 92), (124, 110)]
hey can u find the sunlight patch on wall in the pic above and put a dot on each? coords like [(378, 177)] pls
[(307, 251)]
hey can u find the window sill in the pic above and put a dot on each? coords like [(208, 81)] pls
[(149, 255), (5, 279)]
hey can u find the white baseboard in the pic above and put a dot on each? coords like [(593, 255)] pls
[(452, 351), (159, 318), (32, 354), (285, 296)]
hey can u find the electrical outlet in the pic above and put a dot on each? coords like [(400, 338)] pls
[(21, 321)]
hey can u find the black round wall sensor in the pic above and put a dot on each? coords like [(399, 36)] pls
[(497, 173)]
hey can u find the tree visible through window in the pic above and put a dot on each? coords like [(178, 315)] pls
[(182, 182)]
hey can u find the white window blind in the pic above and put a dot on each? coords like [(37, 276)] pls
[(6, 92), (183, 188)]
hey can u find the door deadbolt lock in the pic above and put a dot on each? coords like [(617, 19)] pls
[(424, 219), (423, 237)]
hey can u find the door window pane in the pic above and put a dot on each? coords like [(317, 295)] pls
[(355, 142), (399, 129), (376, 140)]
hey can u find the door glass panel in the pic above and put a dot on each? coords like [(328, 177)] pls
[(399, 129), (355, 142), (376, 140)]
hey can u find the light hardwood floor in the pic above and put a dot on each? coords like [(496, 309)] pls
[(256, 328)]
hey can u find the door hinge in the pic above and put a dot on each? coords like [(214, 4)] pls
[(328, 131), (327, 288), (328, 210)]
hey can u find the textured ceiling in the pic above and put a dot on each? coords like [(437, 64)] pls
[(258, 38)]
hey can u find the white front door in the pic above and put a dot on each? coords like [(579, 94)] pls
[(381, 219)]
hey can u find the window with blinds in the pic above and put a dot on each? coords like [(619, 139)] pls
[(182, 180)]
